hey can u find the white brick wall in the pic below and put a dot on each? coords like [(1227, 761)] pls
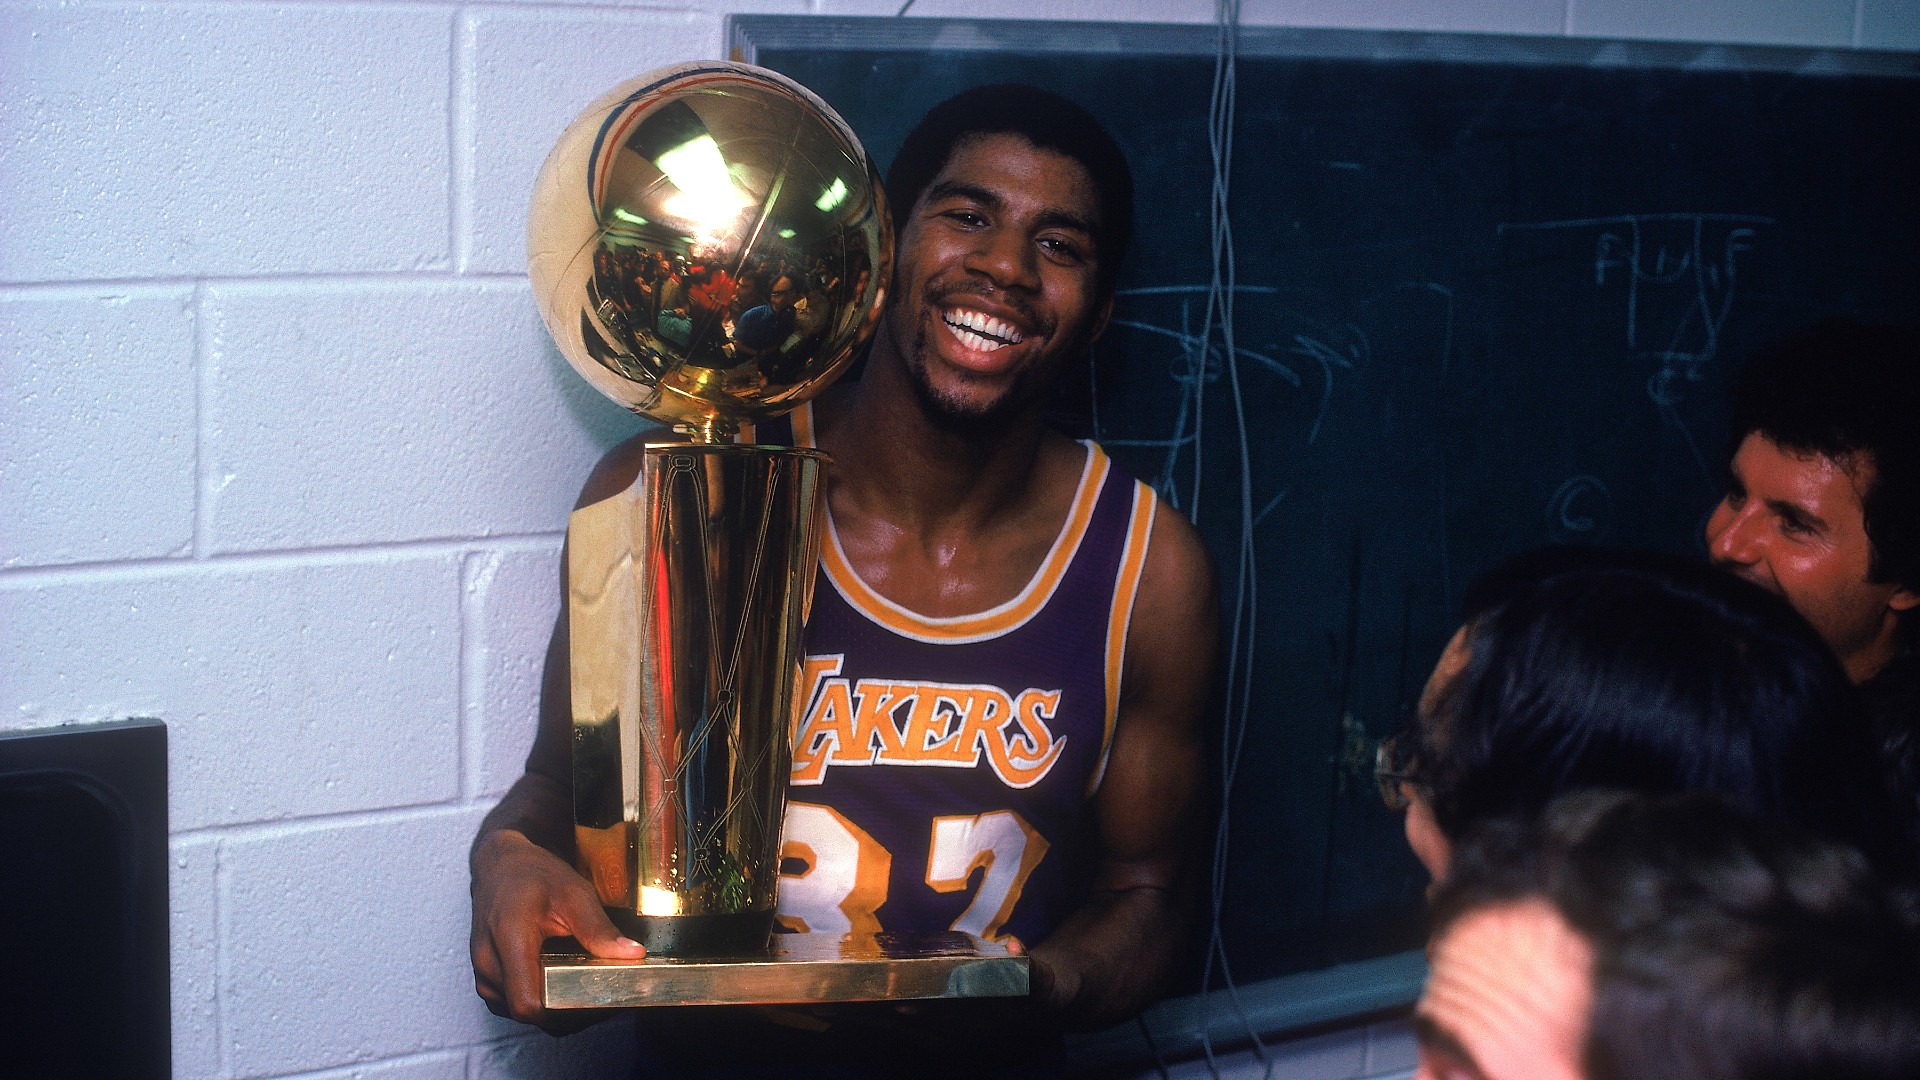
[(97, 442), (285, 456), (186, 140)]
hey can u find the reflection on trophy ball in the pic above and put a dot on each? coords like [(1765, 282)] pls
[(709, 245)]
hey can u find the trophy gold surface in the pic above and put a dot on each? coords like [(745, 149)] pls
[(709, 246)]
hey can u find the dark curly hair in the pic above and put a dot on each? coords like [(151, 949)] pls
[(1589, 668), (1043, 118)]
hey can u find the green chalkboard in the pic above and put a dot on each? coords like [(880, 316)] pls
[(1490, 292)]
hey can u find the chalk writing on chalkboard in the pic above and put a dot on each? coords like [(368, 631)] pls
[(1679, 274)]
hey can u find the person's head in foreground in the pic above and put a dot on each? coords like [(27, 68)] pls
[(1823, 485), (1583, 668), (1632, 937)]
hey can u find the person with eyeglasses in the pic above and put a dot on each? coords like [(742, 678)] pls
[(1584, 668)]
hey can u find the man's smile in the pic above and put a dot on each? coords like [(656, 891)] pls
[(979, 331)]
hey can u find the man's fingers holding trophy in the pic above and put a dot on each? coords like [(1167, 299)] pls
[(1043, 984), (528, 895)]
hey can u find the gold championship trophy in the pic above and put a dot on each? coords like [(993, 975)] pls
[(709, 247)]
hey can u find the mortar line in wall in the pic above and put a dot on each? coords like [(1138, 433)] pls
[(203, 349), (285, 558), (90, 287), (469, 692), (460, 135), (591, 7), (358, 1068), (221, 974), (242, 831)]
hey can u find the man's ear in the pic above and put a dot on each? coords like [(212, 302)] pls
[(1100, 321), (1904, 600)]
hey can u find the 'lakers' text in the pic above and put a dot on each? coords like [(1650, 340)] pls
[(882, 722)]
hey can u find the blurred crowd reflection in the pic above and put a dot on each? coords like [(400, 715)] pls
[(774, 310)]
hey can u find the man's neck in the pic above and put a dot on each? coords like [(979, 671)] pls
[(1876, 654), (1864, 663), (894, 460)]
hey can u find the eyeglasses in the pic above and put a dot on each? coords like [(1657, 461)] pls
[(1395, 765)]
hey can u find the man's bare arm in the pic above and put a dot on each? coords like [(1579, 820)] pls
[(539, 805), (1120, 951), (524, 886)]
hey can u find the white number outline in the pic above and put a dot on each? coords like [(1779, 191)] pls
[(1001, 842)]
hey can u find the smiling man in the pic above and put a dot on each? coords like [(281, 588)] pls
[(1009, 648), (1823, 506)]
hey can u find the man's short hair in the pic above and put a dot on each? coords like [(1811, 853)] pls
[(1726, 946), (1043, 118), (1846, 389)]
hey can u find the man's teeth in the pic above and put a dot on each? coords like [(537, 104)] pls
[(980, 332), (976, 342)]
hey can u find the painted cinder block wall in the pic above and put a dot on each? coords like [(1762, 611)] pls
[(285, 456)]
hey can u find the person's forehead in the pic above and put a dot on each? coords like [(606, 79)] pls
[(1453, 660), (1007, 163), (1511, 984), (1804, 474)]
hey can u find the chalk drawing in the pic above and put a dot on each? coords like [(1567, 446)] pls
[(1695, 258), (1579, 510)]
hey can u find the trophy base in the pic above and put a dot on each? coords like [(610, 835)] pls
[(794, 969), (737, 934)]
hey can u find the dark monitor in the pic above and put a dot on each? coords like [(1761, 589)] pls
[(83, 901)]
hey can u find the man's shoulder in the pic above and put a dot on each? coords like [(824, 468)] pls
[(1177, 540), (619, 467), (1177, 558), (1177, 611)]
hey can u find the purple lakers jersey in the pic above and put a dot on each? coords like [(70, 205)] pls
[(941, 765)]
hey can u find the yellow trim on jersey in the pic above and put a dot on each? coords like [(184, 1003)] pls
[(985, 625), (1125, 587)]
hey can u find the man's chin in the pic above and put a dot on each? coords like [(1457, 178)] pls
[(980, 413)]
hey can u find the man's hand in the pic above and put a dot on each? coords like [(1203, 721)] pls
[(522, 895), (1108, 960), (1050, 982)]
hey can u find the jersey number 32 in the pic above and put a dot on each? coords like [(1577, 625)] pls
[(842, 874)]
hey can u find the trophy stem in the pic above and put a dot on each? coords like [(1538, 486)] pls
[(687, 594), (709, 430)]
